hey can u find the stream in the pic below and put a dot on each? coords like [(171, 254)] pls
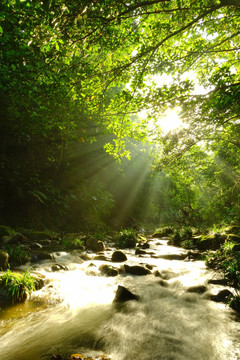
[(75, 312)]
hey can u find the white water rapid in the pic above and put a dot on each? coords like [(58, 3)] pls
[(75, 313)]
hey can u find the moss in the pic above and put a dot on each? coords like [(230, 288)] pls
[(164, 231), (210, 241)]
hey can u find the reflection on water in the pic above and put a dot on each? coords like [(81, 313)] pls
[(74, 313)]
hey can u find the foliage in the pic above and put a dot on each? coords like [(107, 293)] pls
[(18, 286), (126, 239), (176, 238), (227, 260), (6, 231), (17, 255), (74, 243), (188, 244), (163, 231), (184, 237), (76, 73)]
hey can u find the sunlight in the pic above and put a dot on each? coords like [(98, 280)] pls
[(170, 120)]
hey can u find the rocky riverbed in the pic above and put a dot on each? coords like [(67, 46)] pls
[(97, 294)]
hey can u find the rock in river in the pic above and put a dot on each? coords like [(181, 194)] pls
[(108, 270), (124, 294), (118, 256), (136, 270), (94, 245)]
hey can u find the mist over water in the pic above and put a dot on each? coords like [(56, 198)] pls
[(75, 313)]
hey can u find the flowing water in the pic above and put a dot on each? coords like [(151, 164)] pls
[(75, 313)]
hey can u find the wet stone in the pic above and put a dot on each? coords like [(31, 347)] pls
[(108, 270), (123, 294), (118, 256), (136, 270), (85, 257), (100, 257), (198, 289), (35, 245), (218, 281), (173, 257), (58, 267), (140, 252), (222, 296), (42, 256)]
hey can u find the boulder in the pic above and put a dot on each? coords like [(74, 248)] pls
[(222, 296), (94, 245), (136, 270), (198, 289), (39, 235), (167, 274), (148, 266), (14, 239), (194, 255), (218, 281), (39, 281), (69, 236), (100, 257), (42, 256), (209, 242), (85, 257), (140, 252), (124, 294), (35, 245), (173, 256), (118, 256), (57, 267), (45, 242), (4, 258), (163, 283), (145, 245), (108, 270)]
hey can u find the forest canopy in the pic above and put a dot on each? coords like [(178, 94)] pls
[(75, 78)]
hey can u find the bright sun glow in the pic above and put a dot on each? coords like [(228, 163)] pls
[(170, 120)]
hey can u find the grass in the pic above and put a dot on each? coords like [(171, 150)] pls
[(17, 286)]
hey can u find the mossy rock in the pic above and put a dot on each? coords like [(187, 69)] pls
[(108, 270), (210, 242), (165, 231), (39, 235)]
